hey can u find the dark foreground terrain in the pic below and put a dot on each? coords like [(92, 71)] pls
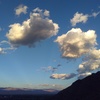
[(85, 89), (25, 97), (26, 94)]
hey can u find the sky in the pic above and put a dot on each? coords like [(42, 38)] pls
[(48, 44)]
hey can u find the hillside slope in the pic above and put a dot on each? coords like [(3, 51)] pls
[(85, 89)]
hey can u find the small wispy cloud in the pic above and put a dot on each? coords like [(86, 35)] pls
[(95, 14), (82, 18), (21, 9), (79, 17), (4, 49), (49, 69)]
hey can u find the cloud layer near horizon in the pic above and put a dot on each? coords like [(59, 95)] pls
[(38, 27)]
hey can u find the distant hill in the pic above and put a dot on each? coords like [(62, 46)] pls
[(18, 91), (85, 89)]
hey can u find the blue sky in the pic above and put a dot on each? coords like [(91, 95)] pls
[(48, 44)]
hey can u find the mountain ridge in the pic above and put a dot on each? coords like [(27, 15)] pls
[(84, 89)]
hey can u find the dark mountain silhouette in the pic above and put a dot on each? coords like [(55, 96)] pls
[(85, 89)]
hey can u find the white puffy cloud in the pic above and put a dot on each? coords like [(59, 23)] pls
[(62, 76), (38, 27), (79, 17), (75, 42), (83, 75), (21, 9)]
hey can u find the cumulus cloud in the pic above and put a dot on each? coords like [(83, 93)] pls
[(83, 75), (21, 9), (62, 76), (75, 42), (79, 17), (38, 27)]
